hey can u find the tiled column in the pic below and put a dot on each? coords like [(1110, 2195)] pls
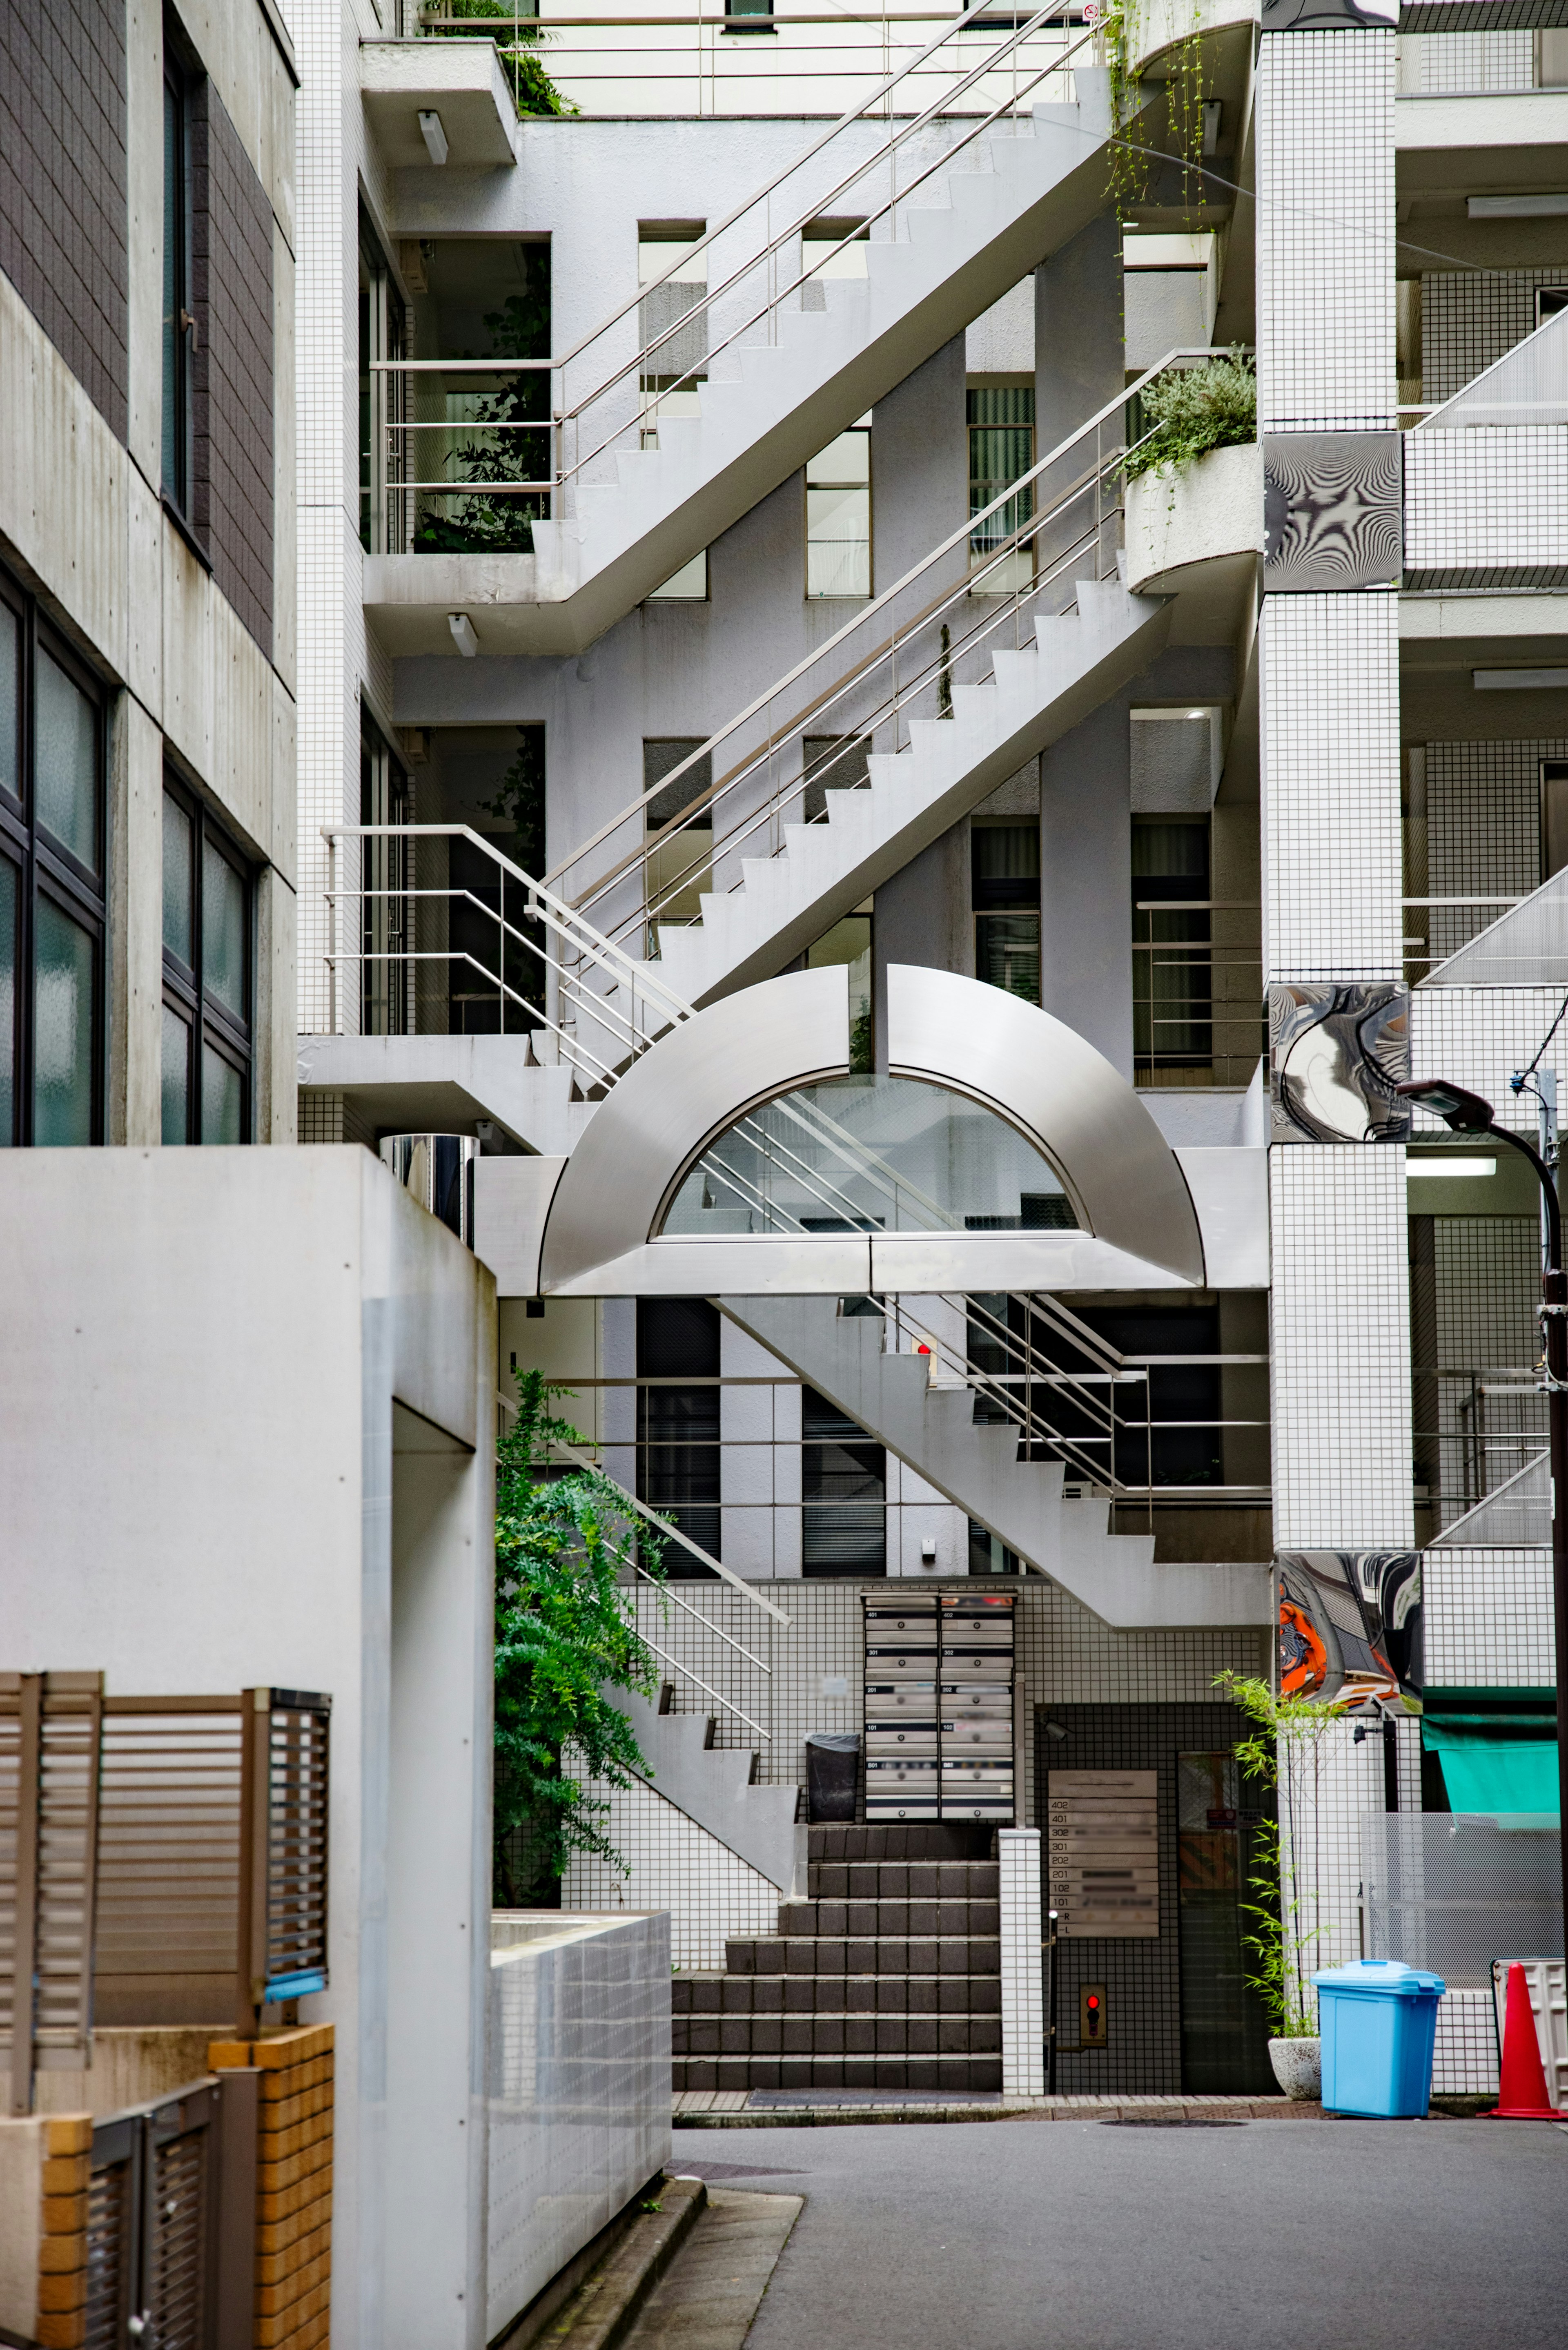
[(1328, 656), (1022, 1971)]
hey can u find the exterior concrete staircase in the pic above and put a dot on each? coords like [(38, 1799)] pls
[(1011, 198), (713, 1786), (933, 1431)]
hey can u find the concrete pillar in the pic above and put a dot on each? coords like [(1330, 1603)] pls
[(1086, 876), (1080, 353)]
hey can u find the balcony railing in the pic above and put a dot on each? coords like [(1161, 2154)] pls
[(1197, 983)]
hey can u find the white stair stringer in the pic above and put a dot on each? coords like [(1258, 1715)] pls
[(713, 1785), (1011, 198), (932, 1429), (825, 869)]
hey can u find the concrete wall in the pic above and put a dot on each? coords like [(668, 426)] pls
[(246, 1437)]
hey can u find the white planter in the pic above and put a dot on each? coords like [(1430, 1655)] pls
[(1298, 2067), (1210, 511)]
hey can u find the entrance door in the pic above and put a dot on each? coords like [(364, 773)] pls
[(1224, 2030)]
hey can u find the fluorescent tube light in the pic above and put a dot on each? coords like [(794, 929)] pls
[(1518, 681), (1548, 207), (463, 634), (1422, 1171), (434, 135)]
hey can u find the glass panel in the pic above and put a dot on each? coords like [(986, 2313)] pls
[(223, 1099), (1007, 953), (1001, 448), (177, 926), (847, 459), (1224, 2032), (868, 1154), (849, 942), (10, 701), (223, 932), (66, 771), (176, 1077), (62, 1029), (10, 891), (838, 542)]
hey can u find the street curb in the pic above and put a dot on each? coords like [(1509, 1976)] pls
[(1168, 2110), (602, 2312)]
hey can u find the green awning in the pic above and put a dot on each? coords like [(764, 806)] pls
[(1485, 1773)]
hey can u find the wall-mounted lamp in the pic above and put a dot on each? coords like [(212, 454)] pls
[(434, 135), (463, 634)]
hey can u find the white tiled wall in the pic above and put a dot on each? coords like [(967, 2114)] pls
[(1488, 1618), (1480, 1035), (1486, 507), (710, 1892), (1022, 1968)]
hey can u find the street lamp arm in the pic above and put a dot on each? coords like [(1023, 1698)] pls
[(1544, 1177)]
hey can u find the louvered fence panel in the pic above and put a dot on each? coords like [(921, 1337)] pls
[(298, 1750), (67, 1834), (111, 2231), (10, 1792), (168, 1860)]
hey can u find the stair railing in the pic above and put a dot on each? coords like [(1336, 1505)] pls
[(880, 670), (620, 388)]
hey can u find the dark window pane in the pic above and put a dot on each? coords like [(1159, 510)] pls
[(67, 762), (223, 1099), (1007, 953), (10, 880), (176, 881), (677, 1338), (10, 701), (63, 1029), (223, 932), (176, 1077)]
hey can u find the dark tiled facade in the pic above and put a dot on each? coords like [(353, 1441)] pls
[(888, 1976), (63, 185), (232, 258)]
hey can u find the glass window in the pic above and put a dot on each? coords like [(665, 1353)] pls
[(1173, 1009), (849, 942), (1004, 867), (66, 771), (206, 977), (179, 883), (52, 910), (176, 1076), (10, 948), (64, 995), (1001, 449), (678, 1451), (10, 703), (838, 516)]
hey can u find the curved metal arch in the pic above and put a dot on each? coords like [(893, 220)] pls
[(689, 1087), (1032, 1070), (1065, 1098)]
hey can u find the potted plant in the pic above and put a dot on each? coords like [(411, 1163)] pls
[(1286, 1737)]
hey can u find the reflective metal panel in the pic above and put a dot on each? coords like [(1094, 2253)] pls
[(693, 1082), (1066, 1097)]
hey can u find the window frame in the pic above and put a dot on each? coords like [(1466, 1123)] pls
[(210, 1023), (854, 596), (45, 867)]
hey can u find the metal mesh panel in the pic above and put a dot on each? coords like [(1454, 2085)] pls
[(1451, 1891)]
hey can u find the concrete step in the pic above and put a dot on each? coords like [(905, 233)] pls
[(834, 1920), (838, 2034), (715, 1995), (827, 2072), (866, 1954), (906, 1880), (939, 1840)]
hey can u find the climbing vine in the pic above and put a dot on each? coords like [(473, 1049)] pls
[(1121, 36)]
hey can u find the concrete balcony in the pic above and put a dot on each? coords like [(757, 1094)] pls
[(1199, 535), (460, 80)]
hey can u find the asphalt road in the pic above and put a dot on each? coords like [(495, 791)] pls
[(1440, 2235)]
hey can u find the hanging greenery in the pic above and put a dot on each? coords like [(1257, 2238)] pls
[(1288, 1933), (565, 1630), (520, 329), (533, 91), (1186, 411), (1122, 34)]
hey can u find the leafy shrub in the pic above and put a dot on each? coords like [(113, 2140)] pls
[(533, 91), (1190, 411)]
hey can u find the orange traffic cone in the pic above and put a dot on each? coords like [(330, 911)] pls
[(1523, 2096)]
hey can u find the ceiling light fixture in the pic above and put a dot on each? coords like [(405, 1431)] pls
[(434, 135)]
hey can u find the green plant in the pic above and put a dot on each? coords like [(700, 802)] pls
[(1286, 1876), (533, 91), (1186, 411), (1128, 184), (565, 1631)]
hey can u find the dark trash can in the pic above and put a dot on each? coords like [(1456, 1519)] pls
[(832, 1768)]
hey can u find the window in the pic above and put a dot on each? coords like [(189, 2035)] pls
[(748, 15), (1172, 957), (838, 516), (674, 363), (52, 864), (1001, 449), (206, 1059), (1549, 300), (1004, 886), (1553, 817), (844, 1486), (849, 943), (680, 857), (380, 397), (385, 926), (824, 252), (179, 325), (678, 1426), (687, 586)]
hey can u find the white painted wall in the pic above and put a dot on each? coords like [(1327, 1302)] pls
[(245, 1422)]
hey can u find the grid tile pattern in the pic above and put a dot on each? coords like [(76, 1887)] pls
[(1486, 1284), (1465, 2055), (1483, 830), (1439, 64), (1486, 507), (1325, 230), (710, 1892), (1340, 1316), (63, 224), (1322, 1794), (1023, 1973), (1471, 317), (1488, 1618), (1329, 718), (1478, 1036)]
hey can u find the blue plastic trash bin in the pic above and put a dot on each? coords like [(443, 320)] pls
[(1377, 2019)]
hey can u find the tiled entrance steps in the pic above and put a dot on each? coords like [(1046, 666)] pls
[(888, 1977)]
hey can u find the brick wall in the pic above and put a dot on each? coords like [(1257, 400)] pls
[(62, 183), (230, 271), (293, 2182)]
